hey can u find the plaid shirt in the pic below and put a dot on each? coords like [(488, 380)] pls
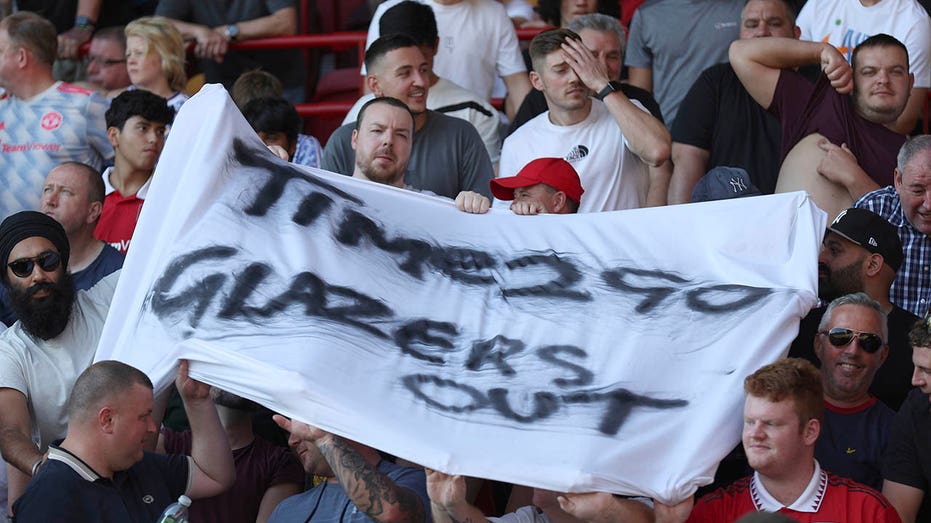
[(911, 289)]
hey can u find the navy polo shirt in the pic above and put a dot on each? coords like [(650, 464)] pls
[(67, 489)]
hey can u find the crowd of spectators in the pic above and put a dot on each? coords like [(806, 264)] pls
[(614, 105)]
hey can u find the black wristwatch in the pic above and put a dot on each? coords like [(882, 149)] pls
[(610, 88)]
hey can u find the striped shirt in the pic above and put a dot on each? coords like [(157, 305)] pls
[(911, 289)]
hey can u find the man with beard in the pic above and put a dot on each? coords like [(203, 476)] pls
[(53, 341), (266, 474), (861, 253), (447, 154), (382, 141), (73, 194)]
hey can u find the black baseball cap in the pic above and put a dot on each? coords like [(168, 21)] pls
[(870, 231)]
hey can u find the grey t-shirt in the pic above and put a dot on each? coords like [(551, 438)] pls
[(328, 502), (447, 157), (678, 39)]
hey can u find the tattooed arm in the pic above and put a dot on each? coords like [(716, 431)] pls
[(448, 502), (355, 467)]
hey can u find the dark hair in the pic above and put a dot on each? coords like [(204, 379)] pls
[(100, 383), (791, 11), (550, 10), (31, 31), (255, 84), (877, 40), (273, 115), (412, 19), (138, 102), (548, 42), (394, 102), (385, 45), (113, 34)]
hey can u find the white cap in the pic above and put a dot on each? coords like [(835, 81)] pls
[(184, 500)]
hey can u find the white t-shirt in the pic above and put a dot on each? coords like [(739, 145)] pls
[(613, 177), (458, 102), (477, 41), (45, 370), (846, 23)]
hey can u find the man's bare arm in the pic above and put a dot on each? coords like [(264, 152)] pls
[(646, 136), (641, 77), (15, 442), (840, 166), (213, 460), (690, 163), (69, 42), (518, 86), (448, 502), (282, 22), (905, 499), (16, 445), (602, 507), (369, 489), (758, 63), (209, 44), (659, 185)]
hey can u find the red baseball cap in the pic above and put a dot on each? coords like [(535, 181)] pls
[(555, 172)]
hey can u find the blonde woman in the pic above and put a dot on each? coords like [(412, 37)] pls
[(155, 58)]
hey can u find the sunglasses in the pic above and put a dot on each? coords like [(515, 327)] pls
[(841, 337), (48, 261)]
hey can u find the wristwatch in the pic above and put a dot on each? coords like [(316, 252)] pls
[(232, 31), (610, 88), (84, 22)]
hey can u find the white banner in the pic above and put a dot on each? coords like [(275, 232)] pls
[(574, 353)]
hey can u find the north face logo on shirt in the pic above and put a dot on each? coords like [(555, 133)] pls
[(577, 153)]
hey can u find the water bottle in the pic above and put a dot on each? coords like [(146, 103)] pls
[(176, 512)]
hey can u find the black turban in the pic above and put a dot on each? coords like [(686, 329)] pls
[(27, 224)]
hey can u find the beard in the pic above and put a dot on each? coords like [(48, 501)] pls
[(378, 173), (45, 317), (840, 282), (232, 401)]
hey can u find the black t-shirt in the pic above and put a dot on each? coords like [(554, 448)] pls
[(720, 116), (908, 455), (62, 12)]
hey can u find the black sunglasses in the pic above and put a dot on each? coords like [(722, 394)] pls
[(48, 261), (841, 337)]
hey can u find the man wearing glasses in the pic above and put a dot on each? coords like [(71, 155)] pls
[(106, 61), (862, 252), (851, 344), (53, 341)]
